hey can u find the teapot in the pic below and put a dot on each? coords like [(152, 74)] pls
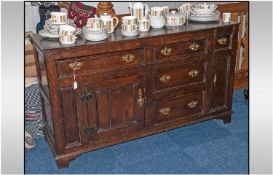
[(139, 10)]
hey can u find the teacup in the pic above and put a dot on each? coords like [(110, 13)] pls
[(129, 27), (165, 9), (67, 34), (144, 25), (129, 20), (58, 17), (94, 24), (227, 17), (156, 11)]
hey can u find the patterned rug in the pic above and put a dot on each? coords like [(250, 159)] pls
[(33, 118)]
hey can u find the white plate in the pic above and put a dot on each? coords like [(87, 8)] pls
[(129, 33), (46, 34), (92, 38), (201, 15), (172, 25), (203, 20)]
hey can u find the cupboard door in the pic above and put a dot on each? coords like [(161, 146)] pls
[(72, 121), (220, 82), (114, 107)]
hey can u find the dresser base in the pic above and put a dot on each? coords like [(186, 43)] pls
[(64, 159)]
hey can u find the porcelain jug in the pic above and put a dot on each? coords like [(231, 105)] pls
[(139, 10), (109, 22)]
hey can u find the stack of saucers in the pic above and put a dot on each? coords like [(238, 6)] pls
[(204, 13), (95, 35), (51, 30)]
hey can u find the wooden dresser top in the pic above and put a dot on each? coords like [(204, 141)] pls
[(47, 43)]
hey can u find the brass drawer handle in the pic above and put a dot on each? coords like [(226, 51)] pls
[(165, 111), (193, 104), (222, 41), (140, 99), (128, 58), (165, 78), (76, 65), (166, 51), (193, 73), (194, 46)]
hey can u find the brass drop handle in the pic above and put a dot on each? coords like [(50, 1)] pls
[(193, 104), (165, 78), (140, 99), (166, 51), (222, 41), (76, 65), (128, 58), (165, 111), (194, 46), (193, 73)]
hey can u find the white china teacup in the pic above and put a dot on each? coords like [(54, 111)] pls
[(129, 27), (67, 34), (94, 24), (129, 20), (144, 25), (58, 17), (156, 11)]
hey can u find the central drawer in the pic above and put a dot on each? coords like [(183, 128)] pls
[(177, 107), (100, 63), (172, 75), (180, 50)]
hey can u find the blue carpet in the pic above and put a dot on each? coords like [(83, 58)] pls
[(209, 147)]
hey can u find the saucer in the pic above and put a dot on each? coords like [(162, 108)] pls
[(46, 34), (95, 37), (129, 33)]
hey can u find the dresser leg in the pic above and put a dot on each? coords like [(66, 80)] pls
[(226, 119), (64, 162)]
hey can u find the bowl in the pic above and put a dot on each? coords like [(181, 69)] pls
[(201, 10), (157, 23)]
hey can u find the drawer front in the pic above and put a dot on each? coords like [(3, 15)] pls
[(100, 63), (180, 49), (178, 107), (223, 38), (178, 75)]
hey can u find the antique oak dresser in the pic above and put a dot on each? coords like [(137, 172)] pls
[(131, 87)]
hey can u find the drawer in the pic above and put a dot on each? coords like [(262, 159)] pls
[(178, 107), (180, 49), (223, 38), (171, 76), (100, 63)]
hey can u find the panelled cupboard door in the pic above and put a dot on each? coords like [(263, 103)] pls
[(72, 120), (220, 82), (112, 107)]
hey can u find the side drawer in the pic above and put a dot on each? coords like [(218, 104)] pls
[(100, 63), (177, 107), (180, 50), (173, 75)]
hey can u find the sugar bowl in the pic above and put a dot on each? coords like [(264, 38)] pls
[(175, 19)]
